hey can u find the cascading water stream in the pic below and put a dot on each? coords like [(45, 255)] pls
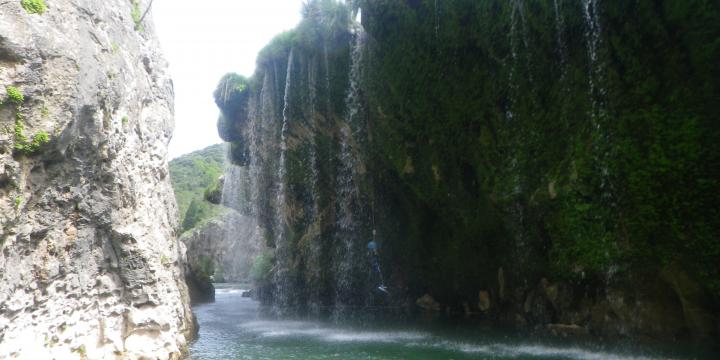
[(513, 83), (518, 41), (312, 182), (520, 5), (351, 226), (601, 129), (328, 105), (596, 81), (313, 174), (283, 287), (562, 53), (560, 39), (595, 78), (437, 21), (233, 190), (253, 165)]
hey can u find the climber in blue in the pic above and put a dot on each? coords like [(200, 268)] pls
[(374, 263)]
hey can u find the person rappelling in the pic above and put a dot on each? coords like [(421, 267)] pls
[(375, 263)]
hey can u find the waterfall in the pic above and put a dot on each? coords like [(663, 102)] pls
[(512, 81), (526, 42), (597, 91), (514, 191), (595, 78), (437, 21), (313, 173), (232, 189), (233, 196), (283, 283), (601, 136), (351, 227), (313, 219), (513, 92), (560, 39), (327, 79), (253, 165), (562, 53)]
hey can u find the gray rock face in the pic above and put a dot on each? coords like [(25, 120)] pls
[(228, 244), (89, 263)]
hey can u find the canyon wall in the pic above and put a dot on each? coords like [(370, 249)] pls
[(90, 266), (543, 163)]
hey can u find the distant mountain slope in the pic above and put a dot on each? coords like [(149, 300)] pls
[(190, 175)]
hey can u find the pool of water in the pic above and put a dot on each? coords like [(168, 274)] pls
[(233, 328)]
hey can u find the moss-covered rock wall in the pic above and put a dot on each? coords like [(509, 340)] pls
[(508, 150)]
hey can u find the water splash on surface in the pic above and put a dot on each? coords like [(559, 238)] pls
[(231, 328)]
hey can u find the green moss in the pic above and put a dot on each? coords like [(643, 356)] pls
[(34, 6), (260, 272), (626, 160), (125, 120), (136, 15), (26, 146), (14, 95), (18, 201)]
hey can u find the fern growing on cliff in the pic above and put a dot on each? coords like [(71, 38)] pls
[(26, 146), (23, 144), (14, 95), (34, 6)]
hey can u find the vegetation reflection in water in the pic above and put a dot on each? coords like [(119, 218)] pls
[(232, 328)]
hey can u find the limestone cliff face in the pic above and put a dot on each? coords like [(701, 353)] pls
[(90, 266), (224, 247)]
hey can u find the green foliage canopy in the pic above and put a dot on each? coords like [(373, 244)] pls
[(190, 175)]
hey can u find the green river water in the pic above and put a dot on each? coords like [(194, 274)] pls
[(233, 328)]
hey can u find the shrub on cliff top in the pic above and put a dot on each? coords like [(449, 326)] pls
[(230, 95), (278, 48), (322, 20), (34, 6)]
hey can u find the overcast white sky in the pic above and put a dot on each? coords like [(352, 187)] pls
[(203, 40)]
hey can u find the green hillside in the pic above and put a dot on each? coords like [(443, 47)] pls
[(191, 174)]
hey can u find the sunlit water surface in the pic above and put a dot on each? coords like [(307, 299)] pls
[(232, 328)]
